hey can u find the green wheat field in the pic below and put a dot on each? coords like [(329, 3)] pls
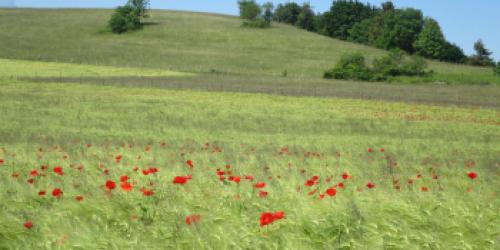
[(187, 138)]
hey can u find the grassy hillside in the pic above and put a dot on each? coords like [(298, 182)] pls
[(419, 162), (191, 42)]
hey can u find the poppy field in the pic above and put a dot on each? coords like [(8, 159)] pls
[(103, 167)]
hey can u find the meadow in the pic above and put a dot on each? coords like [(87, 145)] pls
[(203, 146)]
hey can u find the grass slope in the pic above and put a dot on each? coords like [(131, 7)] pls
[(83, 128), (191, 42)]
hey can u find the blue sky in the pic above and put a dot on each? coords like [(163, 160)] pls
[(462, 21)]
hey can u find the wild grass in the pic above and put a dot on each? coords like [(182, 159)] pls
[(188, 42)]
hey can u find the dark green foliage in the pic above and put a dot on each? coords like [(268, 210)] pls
[(430, 41), (353, 67), (257, 23), (496, 69), (388, 6), (128, 17), (125, 18), (287, 13), (482, 56), (141, 7), (398, 64), (343, 15), (305, 19), (249, 9), (398, 29), (350, 67), (452, 53), (268, 12)]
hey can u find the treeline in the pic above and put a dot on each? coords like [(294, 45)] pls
[(385, 27)]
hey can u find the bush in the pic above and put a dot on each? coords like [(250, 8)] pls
[(353, 67), (397, 64), (350, 67), (125, 18), (496, 69), (258, 23)]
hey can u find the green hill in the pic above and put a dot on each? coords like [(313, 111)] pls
[(192, 42)]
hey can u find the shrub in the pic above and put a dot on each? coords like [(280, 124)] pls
[(124, 18), (350, 66), (353, 66), (258, 23), (496, 69)]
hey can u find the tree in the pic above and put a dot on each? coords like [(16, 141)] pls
[(430, 42), (268, 11), (125, 18), (482, 56), (350, 67), (287, 13), (249, 9), (388, 6), (452, 53), (141, 6), (343, 15), (305, 19)]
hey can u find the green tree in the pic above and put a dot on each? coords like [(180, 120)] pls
[(305, 19), (452, 53), (398, 29), (249, 9), (287, 13), (141, 7), (125, 18), (430, 42), (482, 56), (343, 15), (268, 11)]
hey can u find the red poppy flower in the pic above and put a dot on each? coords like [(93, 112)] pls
[(346, 176), (236, 179), (220, 172), (58, 170), (263, 194), (43, 167), (260, 185), (190, 163), (42, 193), (370, 185), (410, 181), (419, 176), (331, 192), (370, 150), (79, 198), (124, 178), (192, 219), (180, 180), (472, 175), (118, 158), (424, 189), (147, 192), (315, 178), (340, 185), (110, 185), (31, 181), (266, 219), (34, 173), (1, 161), (57, 192), (310, 183), (126, 186), (382, 150), (28, 224), (249, 177), (15, 175)]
